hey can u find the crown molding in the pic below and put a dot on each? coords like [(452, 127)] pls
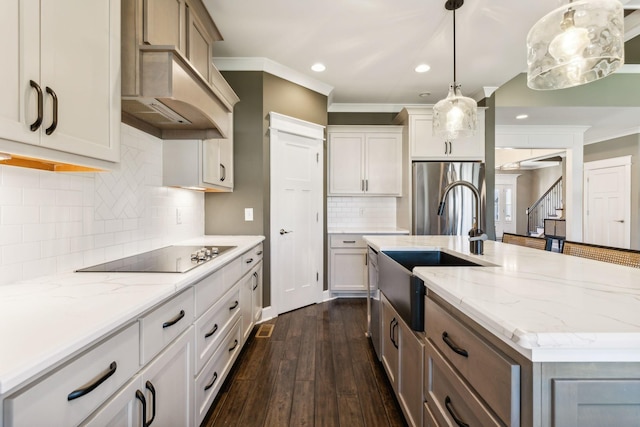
[(272, 67)]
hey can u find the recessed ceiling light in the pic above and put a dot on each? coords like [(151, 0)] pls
[(424, 94), (422, 68), (318, 67), (522, 116)]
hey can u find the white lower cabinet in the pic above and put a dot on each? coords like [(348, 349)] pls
[(164, 370), (347, 263), (208, 383), (71, 393), (160, 394), (250, 291)]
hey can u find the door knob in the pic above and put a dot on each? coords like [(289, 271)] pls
[(283, 231)]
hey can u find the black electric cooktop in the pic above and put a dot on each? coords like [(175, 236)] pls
[(171, 259)]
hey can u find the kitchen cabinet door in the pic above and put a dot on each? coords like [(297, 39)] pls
[(365, 160), (411, 373), (61, 88), (348, 269), (346, 154), (167, 384), (246, 305), (390, 342), (217, 162), (257, 295), (423, 145), (383, 163), (124, 409)]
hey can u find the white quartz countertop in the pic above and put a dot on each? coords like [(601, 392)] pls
[(546, 305), (367, 230), (47, 320)]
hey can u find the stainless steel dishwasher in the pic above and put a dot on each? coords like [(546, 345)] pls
[(373, 301)]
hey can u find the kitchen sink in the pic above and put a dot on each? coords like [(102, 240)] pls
[(405, 291), (435, 258)]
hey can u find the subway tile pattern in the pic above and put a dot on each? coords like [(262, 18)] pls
[(376, 212), (57, 222)]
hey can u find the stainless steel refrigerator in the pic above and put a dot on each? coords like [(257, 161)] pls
[(429, 182)]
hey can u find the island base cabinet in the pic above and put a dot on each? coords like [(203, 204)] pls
[(163, 389), (592, 403), (390, 342), (448, 398), (411, 365)]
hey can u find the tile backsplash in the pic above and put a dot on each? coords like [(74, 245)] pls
[(361, 212), (56, 222)]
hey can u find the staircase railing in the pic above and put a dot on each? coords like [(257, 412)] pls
[(545, 207)]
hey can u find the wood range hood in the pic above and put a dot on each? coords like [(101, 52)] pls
[(170, 87)]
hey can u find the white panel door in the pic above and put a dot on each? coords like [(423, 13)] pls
[(608, 215), (296, 216)]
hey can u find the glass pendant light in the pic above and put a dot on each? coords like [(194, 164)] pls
[(576, 44), (456, 115)]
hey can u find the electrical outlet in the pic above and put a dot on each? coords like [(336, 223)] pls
[(178, 216), (248, 214), (361, 211)]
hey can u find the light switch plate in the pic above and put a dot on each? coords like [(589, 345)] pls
[(248, 214)]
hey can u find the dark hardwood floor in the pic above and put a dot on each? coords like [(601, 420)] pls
[(316, 369)]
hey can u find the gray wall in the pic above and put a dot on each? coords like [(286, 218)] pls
[(624, 146), (490, 163), (259, 94)]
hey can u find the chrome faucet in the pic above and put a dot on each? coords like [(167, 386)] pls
[(476, 235)]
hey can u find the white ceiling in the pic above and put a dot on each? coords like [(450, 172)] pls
[(371, 47)]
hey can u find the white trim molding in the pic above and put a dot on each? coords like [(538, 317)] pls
[(272, 67)]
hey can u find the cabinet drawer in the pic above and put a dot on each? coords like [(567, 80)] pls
[(251, 258), (233, 272), (212, 376), (214, 324), (492, 375), (449, 401), (209, 290), (107, 366), (347, 241), (163, 324)]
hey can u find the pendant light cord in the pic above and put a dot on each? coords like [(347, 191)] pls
[(454, 49)]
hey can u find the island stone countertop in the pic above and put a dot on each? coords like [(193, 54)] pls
[(48, 320), (548, 306)]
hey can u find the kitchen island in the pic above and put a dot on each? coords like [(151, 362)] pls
[(49, 322), (569, 325)]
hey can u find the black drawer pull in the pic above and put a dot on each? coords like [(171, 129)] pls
[(348, 241), (141, 398), (213, 331), (259, 253), (453, 346), (35, 125), (452, 412), (249, 261), (174, 320), (235, 344), (88, 388), (213, 381), (234, 306), (152, 389), (54, 122)]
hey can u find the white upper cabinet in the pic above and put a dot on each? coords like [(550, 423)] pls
[(198, 164), (365, 160), (424, 146), (60, 82)]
